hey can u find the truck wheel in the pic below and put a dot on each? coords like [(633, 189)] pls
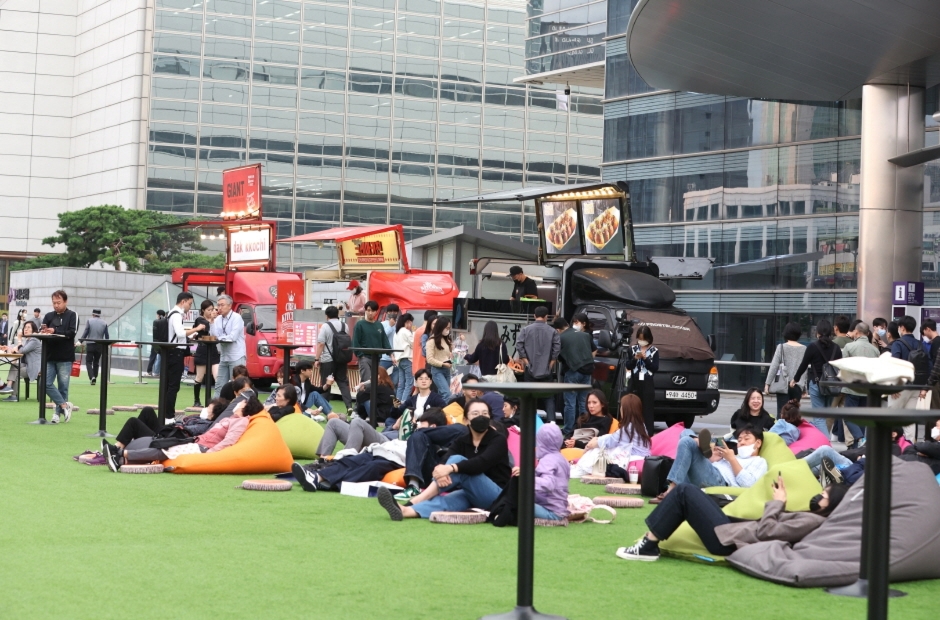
[(688, 419)]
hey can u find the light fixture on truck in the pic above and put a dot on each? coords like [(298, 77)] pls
[(263, 349), (712, 379)]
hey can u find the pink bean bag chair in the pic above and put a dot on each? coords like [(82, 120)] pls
[(810, 438), (514, 440), (667, 442)]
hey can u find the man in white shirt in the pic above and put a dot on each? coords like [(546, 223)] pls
[(176, 361), (700, 463), (229, 328), (328, 366)]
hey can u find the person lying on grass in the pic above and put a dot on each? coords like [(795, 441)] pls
[(147, 424), (223, 435), (475, 471), (706, 465), (722, 536), (620, 447), (328, 475)]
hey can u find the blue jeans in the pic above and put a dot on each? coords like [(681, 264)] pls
[(421, 452), (855, 401), (406, 380), (691, 466), (314, 400), (575, 402), (62, 371), (464, 493), (814, 460), (544, 513), (156, 364), (818, 401), (441, 379), (225, 373)]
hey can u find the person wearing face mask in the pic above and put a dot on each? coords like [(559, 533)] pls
[(643, 364), (577, 355), (369, 334), (490, 351), (879, 336), (706, 465), (723, 535), (474, 472)]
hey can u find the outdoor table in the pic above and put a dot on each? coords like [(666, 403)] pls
[(45, 339), (9, 359), (374, 381), (528, 394), (286, 347), (103, 392), (161, 396), (876, 511)]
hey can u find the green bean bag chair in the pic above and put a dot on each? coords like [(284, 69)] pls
[(301, 434), (800, 483)]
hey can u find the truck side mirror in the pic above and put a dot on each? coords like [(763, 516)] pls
[(604, 340), (250, 329), (712, 343)]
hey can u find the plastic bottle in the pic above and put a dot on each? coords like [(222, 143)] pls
[(634, 474)]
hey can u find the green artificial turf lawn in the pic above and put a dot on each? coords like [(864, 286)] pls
[(81, 542)]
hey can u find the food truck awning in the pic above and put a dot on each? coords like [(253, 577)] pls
[(363, 248), (528, 193)]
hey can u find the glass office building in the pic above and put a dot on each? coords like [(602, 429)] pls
[(361, 112), (769, 190)]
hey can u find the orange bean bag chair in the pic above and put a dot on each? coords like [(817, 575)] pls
[(396, 477), (572, 454), (260, 450)]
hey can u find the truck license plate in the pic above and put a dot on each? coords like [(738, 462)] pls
[(680, 395)]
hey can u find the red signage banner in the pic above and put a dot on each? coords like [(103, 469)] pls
[(241, 193), (290, 297)]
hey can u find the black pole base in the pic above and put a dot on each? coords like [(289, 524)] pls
[(859, 589), (523, 613), (100, 434), (40, 421)]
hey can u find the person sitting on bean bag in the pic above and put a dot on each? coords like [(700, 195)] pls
[(285, 402), (706, 465), (475, 471), (223, 435), (623, 445), (721, 535), (787, 425)]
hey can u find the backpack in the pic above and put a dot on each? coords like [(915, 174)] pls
[(921, 362), (341, 351), (187, 352)]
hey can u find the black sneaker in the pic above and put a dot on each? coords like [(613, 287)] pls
[(387, 501), (831, 473), (705, 442), (111, 456), (645, 550), (197, 405), (308, 480)]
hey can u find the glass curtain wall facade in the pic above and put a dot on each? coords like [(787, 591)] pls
[(767, 189), (562, 34), (360, 111)]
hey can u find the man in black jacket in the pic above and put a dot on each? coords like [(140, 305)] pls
[(60, 354), (475, 471), (161, 333)]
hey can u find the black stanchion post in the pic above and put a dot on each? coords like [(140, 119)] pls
[(105, 372)]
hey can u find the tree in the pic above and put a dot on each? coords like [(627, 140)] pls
[(125, 239)]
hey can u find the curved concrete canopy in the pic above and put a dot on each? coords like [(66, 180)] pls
[(823, 50)]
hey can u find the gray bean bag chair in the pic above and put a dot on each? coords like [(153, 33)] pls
[(830, 555)]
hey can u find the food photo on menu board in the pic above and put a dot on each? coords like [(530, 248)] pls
[(560, 222), (603, 233)]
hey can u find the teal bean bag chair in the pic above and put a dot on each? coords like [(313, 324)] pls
[(301, 434)]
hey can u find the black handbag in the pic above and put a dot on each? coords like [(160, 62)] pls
[(655, 470), (503, 510)]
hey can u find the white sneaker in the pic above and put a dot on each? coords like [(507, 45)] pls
[(67, 411), (319, 418), (55, 418)]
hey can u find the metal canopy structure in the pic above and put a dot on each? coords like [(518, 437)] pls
[(785, 49), (527, 193)]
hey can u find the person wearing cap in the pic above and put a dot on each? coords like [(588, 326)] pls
[(525, 286), (356, 304), (95, 329)]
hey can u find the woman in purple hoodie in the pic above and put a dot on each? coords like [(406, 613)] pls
[(551, 474)]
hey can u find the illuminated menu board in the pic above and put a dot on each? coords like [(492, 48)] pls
[(560, 227), (601, 225)]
